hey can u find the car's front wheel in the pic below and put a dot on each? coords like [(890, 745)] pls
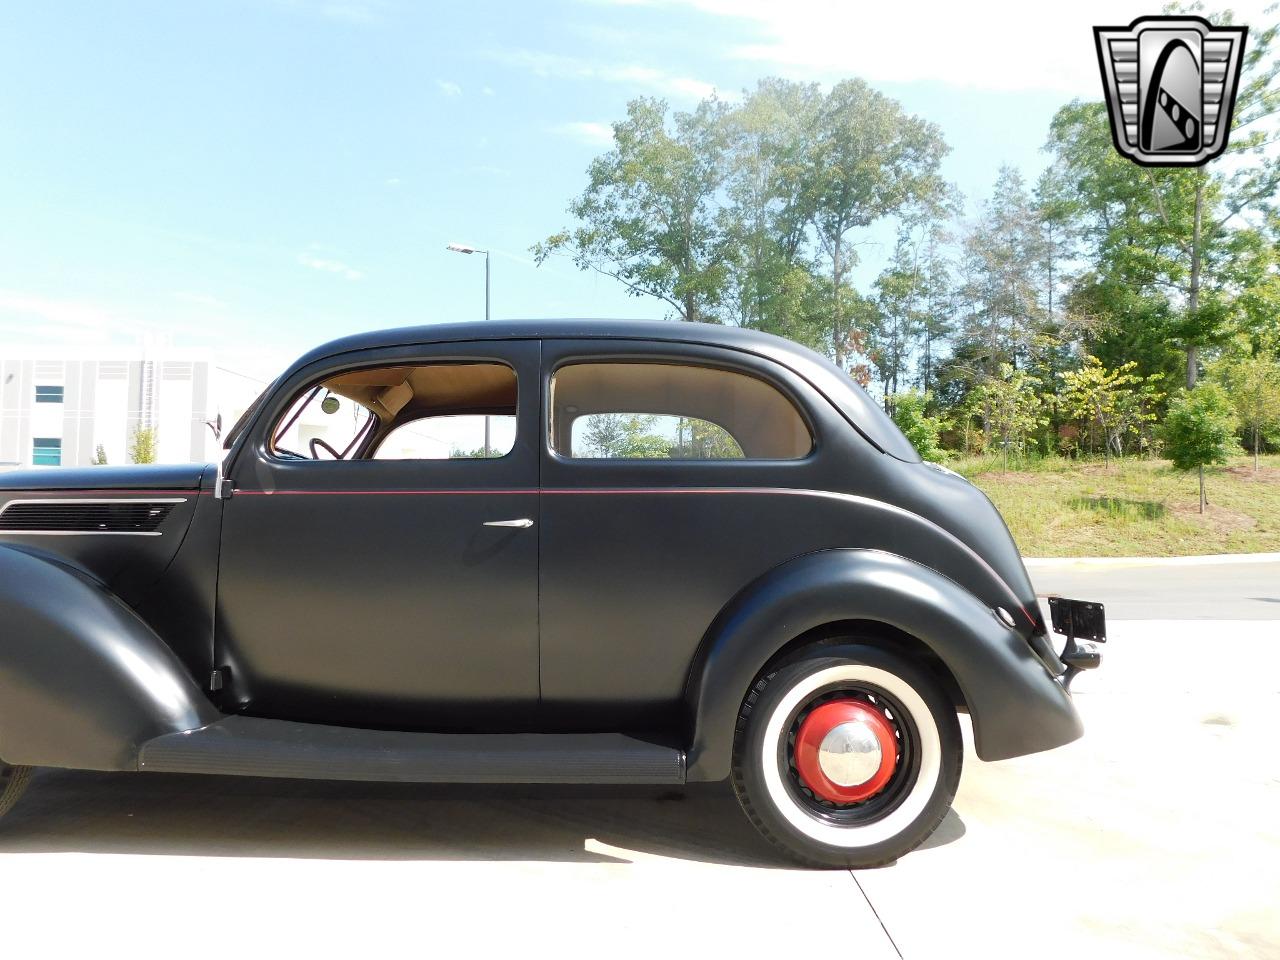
[(847, 755), (13, 781)]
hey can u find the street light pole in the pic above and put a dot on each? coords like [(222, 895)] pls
[(463, 248)]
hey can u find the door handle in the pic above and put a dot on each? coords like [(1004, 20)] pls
[(524, 523)]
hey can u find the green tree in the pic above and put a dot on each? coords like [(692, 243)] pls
[(622, 436), (1253, 384), (699, 440), (870, 160), (773, 286), (1199, 430), (1011, 409), (910, 414), (1002, 260), (1114, 404), (142, 445), (100, 455), (912, 303), (649, 216)]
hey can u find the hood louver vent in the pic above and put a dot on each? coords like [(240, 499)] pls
[(85, 516)]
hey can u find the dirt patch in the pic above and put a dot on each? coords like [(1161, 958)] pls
[(1261, 475), (1218, 519)]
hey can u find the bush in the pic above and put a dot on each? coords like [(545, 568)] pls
[(909, 413)]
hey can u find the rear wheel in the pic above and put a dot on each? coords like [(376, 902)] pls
[(13, 781), (846, 755)]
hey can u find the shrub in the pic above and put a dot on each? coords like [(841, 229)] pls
[(910, 414)]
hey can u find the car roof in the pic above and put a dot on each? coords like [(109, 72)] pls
[(558, 329), (865, 415)]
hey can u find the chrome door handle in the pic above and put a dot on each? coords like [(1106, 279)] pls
[(524, 523)]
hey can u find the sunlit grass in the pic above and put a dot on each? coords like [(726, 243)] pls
[(1133, 507)]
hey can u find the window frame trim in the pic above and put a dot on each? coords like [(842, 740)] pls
[(661, 353), (368, 440)]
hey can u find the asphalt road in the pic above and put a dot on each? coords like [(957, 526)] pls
[(1154, 836), (1137, 591)]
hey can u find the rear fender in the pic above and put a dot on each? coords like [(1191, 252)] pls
[(83, 681), (1015, 704)]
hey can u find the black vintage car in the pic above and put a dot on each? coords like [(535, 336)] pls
[(567, 551)]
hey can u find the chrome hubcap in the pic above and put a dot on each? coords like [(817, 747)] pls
[(849, 754)]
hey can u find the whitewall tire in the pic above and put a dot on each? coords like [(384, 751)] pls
[(847, 755)]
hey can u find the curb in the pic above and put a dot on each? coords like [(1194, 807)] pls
[(1207, 560)]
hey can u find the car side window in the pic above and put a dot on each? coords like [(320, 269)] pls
[(466, 437), (671, 411), (421, 411)]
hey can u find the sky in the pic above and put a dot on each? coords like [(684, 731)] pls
[(254, 177)]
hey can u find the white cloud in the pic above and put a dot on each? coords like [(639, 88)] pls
[(328, 265), (393, 181), (634, 75), (590, 132), (487, 91), (1006, 45), (28, 308), (449, 88), (36, 318)]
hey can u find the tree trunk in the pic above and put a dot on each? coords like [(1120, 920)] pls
[(837, 340), (1193, 292), (1203, 501), (1256, 431), (691, 308)]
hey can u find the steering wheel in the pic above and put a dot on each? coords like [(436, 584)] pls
[(317, 442)]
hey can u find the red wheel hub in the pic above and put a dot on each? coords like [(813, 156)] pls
[(846, 751)]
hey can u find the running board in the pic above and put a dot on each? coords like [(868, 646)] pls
[(252, 747)]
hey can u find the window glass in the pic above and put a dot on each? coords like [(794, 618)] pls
[(49, 394), (650, 436), (46, 451), (466, 437), (321, 425), (424, 411), (667, 411)]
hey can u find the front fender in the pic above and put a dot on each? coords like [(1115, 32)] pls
[(1015, 705), (83, 681)]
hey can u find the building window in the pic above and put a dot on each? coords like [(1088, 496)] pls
[(49, 394), (47, 452)]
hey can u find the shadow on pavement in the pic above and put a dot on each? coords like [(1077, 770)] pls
[(178, 815)]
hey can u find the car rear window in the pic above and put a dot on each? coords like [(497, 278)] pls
[(670, 411)]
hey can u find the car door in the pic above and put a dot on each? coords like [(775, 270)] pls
[(652, 519), (386, 592)]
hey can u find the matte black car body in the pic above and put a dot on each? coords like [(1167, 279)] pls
[(356, 613)]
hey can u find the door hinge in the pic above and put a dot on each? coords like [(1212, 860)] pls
[(224, 489), (217, 679)]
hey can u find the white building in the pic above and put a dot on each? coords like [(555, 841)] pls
[(57, 410)]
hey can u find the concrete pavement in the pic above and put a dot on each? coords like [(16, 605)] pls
[(1154, 836)]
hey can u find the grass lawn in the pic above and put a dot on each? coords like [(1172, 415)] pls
[(1073, 508)]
